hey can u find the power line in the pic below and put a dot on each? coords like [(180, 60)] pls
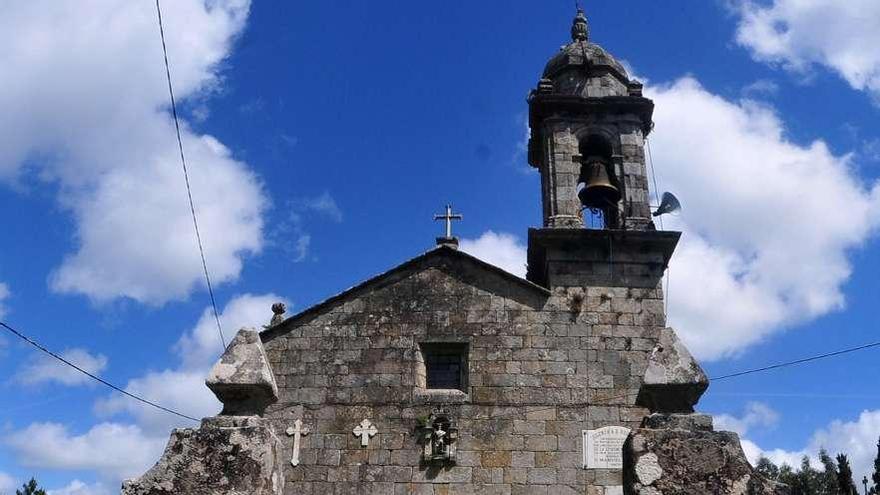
[(797, 361), (90, 375), (192, 207)]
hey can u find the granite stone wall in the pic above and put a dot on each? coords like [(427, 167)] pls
[(543, 367)]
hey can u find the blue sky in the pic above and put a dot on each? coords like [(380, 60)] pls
[(323, 136)]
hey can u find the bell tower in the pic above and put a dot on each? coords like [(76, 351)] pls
[(588, 122)]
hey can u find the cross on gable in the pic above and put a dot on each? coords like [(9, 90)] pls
[(449, 217)]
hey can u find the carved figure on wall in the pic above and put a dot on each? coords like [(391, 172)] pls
[(438, 435)]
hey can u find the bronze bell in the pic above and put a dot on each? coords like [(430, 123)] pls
[(598, 191)]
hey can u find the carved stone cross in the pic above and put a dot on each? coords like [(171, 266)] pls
[(297, 431), (365, 430)]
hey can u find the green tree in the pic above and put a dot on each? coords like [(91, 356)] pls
[(767, 469), (844, 476), (804, 481), (876, 476), (786, 475), (30, 488), (827, 480)]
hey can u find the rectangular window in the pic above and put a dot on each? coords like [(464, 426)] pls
[(445, 365)]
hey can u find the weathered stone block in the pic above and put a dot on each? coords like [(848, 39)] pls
[(238, 455), (685, 456), (673, 380)]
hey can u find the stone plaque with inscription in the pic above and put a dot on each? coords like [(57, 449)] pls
[(603, 448)]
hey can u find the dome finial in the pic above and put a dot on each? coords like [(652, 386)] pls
[(580, 30)]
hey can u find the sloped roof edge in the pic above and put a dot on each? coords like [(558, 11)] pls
[(378, 279)]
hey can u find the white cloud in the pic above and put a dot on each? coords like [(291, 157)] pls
[(200, 347), (760, 88), (857, 439), (301, 247), (44, 369), (114, 450), (324, 205), (500, 249), (77, 487), (4, 294), (801, 33), (767, 222), (301, 213), (7, 483), (91, 118), (183, 388), (118, 450), (757, 414)]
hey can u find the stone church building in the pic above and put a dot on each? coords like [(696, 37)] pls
[(447, 375)]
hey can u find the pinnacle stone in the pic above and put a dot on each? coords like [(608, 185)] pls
[(242, 379)]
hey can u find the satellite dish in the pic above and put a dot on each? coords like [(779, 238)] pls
[(668, 204)]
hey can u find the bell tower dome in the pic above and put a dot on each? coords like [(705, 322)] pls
[(588, 123)]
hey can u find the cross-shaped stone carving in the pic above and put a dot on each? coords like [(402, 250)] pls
[(297, 431), (448, 217), (365, 430)]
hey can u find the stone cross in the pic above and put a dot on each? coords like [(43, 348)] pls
[(365, 430), (448, 217), (297, 431)]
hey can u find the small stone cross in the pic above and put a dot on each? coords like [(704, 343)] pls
[(365, 430), (448, 217), (297, 431)]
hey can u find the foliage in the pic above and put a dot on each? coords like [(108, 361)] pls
[(767, 469), (845, 476), (876, 476), (30, 488), (835, 478), (827, 480)]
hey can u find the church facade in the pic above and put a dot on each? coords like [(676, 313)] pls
[(447, 375), (511, 371)]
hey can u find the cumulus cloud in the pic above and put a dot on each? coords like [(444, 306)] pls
[(183, 388), (799, 34), (757, 414), (855, 438), (77, 487), (767, 222), (500, 249), (91, 119), (44, 369), (7, 483), (114, 450), (117, 450)]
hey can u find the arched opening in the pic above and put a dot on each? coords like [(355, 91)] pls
[(599, 190)]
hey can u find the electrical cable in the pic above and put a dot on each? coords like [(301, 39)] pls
[(192, 207), (798, 361), (90, 375)]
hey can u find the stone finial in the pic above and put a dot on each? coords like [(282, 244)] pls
[(278, 310), (242, 379), (580, 29), (674, 381)]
